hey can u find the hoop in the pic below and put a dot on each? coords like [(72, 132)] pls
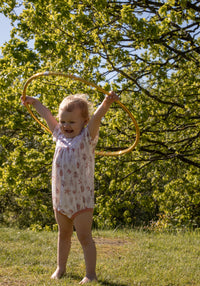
[(102, 153)]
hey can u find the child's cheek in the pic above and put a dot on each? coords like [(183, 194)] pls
[(61, 127)]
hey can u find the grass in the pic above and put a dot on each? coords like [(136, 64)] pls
[(125, 258)]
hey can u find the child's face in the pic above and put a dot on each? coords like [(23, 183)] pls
[(72, 122)]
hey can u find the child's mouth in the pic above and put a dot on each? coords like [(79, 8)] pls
[(68, 131)]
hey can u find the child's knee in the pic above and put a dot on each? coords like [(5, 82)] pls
[(65, 233), (85, 239)]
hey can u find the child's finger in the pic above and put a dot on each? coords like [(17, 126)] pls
[(22, 100), (112, 95)]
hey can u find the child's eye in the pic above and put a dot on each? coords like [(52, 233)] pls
[(64, 122)]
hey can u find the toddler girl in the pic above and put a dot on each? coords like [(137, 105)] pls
[(76, 136)]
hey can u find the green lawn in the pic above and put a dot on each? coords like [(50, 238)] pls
[(125, 257)]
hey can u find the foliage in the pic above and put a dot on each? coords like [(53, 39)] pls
[(148, 52)]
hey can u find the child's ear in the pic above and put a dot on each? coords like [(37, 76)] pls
[(86, 121)]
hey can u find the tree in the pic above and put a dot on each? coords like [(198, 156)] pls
[(146, 50)]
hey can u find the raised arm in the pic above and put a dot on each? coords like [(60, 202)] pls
[(95, 120), (43, 111)]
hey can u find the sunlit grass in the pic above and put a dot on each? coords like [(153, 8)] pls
[(124, 258)]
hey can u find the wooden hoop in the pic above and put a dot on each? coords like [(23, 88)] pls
[(102, 153)]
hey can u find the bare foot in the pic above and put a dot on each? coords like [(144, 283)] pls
[(87, 280), (57, 274)]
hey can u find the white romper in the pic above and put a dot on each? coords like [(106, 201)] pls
[(73, 173)]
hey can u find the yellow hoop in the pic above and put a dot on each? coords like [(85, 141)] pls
[(102, 153)]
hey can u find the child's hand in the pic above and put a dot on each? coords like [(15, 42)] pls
[(112, 97), (28, 100)]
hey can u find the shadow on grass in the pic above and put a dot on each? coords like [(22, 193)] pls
[(101, 282), (106, 283)]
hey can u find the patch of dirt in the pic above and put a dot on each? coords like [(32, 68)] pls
[(101, 240)]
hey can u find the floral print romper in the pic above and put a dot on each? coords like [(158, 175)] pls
[(73, 173)]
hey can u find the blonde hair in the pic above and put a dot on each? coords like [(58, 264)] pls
[(76, 100)]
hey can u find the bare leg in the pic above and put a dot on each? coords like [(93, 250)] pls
[(83, 225), (65, 230)]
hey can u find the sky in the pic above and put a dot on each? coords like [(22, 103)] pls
[(5, 28)]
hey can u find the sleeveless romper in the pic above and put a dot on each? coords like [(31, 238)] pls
[(73, 173)]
